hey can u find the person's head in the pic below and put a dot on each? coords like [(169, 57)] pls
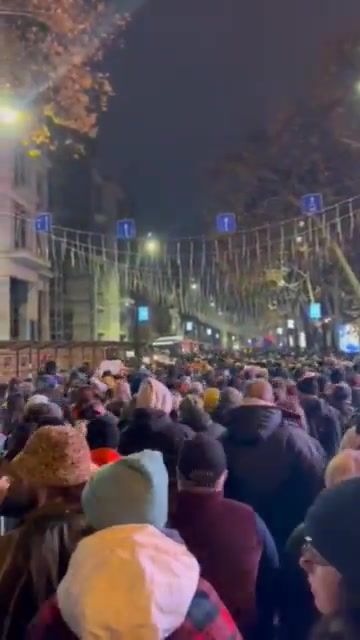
[(308, 386), (36, 413), (91, 410), (201, 466), (330, 555), (133, 490), (343, 466), (230, 397), (260, 391), (50, 368), (337, 376), (154, 395), (84, 395), (249, 373), (102, 432), (36, 399), (55, 462), (15, 405), (211, 398), (192, 412), (196, 388), (341, 393)]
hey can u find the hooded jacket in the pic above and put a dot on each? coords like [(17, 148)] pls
[(273, 467), (131, 583), (154, 429), (324, 423)]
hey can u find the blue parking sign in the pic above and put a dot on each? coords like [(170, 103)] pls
[(143, 314), (226, 223), (312, 203), (125, 230), (315, 311), (43, 223)]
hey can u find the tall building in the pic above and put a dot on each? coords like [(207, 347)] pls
[(24, 268), (86, 305)]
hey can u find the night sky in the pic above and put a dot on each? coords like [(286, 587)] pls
[(194, 78)]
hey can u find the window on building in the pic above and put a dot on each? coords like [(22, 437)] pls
[(20, 170), (21, 222)]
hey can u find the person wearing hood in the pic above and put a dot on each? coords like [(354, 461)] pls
[(233, 546), (341, 399), (102, 435), (159, 591), (276, 469), (53, 467), (229, 399), (193, 414), (151, 427), (323, 420)]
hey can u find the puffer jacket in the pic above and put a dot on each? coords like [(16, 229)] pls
[(154, 429), (324, 423), (132, 581), (273, 467)]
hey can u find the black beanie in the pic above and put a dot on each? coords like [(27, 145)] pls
[(333, 527), (202, 460), (103, 432)]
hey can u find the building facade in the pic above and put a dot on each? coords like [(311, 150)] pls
[(24, 269), (86, 304)]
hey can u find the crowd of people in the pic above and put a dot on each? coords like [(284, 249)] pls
[(162, 503)]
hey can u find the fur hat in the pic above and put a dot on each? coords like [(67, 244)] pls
[(54, 457)]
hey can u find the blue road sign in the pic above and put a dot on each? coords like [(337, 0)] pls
[(125, 230), (43, 223), (143, 314), (312, 203), (315, 311), (226, 223)]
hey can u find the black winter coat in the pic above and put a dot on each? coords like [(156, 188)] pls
[(274, 467), (324, 423), (154, 429)]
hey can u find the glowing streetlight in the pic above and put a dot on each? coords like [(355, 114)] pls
[(152, 246), (194, 286), (9, 116)]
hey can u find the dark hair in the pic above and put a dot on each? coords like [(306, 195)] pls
[(337, 376), (36, 412), (50, 368), (45, 547), (345, 623), (308, 386), (322, 382)]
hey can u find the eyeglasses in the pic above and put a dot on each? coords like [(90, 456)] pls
[(311, 556)]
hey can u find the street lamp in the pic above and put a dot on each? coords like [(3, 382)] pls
[(152, 246), (9, 116)]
